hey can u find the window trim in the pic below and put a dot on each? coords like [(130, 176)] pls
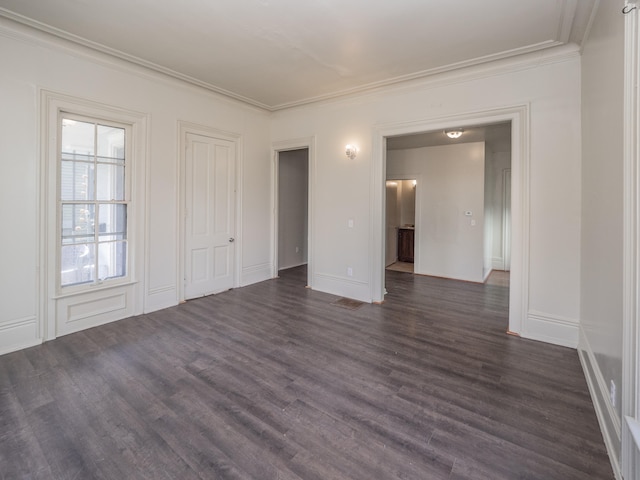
[(49, 293), (62, 290)]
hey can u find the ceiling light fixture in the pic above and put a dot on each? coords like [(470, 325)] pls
[(455, 133)]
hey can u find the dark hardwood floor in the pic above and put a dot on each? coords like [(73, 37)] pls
[(271, 381)]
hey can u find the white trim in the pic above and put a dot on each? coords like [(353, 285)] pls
[(568, 12), (51, 104), (185, 128), (551, 329), (13, 343), (435, 79), (27, 29), (605, 413), (18, 322), (518, 115), (342, 286), (90, 289), (161, 290), (631, 254), (256, 273), (497, 263), (282, 146), (587, 30), (533, 56)]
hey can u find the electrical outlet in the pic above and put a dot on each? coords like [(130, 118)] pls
[(297, 249), (612, 393), (349, 272)]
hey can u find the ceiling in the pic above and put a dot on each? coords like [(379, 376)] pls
[(496, 136), (279, 53)]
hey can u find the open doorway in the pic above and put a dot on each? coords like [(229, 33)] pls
[(462, 223), (400, 224), (292, 215)]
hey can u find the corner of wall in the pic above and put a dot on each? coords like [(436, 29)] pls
[(607, 418)]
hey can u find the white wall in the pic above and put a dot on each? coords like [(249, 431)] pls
[(407, 203), (293, 194), (602, 210), (30, 63), (489, 214), (548, 87), (496, 163), (550, 90), (450, 243)]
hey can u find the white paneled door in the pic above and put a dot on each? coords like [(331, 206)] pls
[(210, 215)]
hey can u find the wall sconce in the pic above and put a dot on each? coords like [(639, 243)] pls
[(455, 133), (351, 152)]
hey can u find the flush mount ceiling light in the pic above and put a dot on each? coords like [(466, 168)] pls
[(351, 152), (455, 133)]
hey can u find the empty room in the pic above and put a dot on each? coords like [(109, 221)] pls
[(210, 269)]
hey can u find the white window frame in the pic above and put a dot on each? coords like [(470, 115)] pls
[(57, 303), (67, 289)]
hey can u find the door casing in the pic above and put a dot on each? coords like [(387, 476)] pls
[(281, 146)]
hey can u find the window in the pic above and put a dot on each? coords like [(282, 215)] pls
[(92, 201)]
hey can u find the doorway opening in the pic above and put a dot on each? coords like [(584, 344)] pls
[(292, 208), (400, 223), (449, 201)]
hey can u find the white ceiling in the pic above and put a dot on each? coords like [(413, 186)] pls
[(279, 53), (496, 136)]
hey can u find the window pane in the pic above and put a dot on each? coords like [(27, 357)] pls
[(76, 180), (77, 264), (110, 182), (110, 144), (78, 139), (112, 223), (78, 221), (112, 260), (92, 172)]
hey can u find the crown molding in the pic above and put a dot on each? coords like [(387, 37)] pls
[(76, 44), (550, 51), (548, 56)]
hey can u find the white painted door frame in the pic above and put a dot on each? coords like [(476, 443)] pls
[(282, 146), (631, 252), (519, 117), (185, 128)]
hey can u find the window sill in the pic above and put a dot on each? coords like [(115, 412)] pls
[(95, 287)]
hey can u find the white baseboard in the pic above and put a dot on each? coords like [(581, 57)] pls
[(18, 334), (551, 329), (256, 273), (486, 275), (344, 287), (605, 412), (160, 297), (287, 267)]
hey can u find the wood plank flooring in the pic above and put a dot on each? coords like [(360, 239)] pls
[(271, 382)]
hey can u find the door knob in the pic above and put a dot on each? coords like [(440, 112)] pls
[(231, 240)]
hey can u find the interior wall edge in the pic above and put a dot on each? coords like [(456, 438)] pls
[(550, 328), (605, 413)]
